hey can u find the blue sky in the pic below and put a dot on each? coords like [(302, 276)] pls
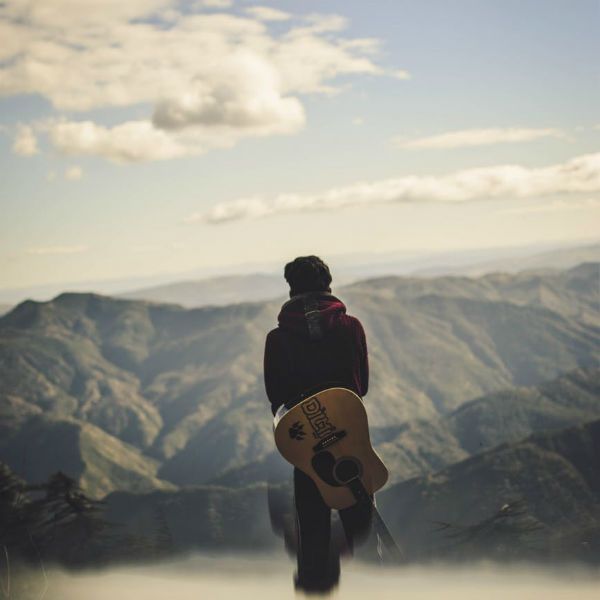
[(140, 138)]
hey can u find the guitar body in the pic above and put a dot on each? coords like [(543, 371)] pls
[(327, 437)]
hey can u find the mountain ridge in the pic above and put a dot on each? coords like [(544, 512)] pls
[(176, 383), (419, 447)]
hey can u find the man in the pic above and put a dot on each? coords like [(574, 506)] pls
[(316, 346)]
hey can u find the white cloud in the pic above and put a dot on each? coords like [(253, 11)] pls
[(133, 141), (555, 206), (242, 91), (213, 3), (51, 250), (25, 142), (73, 173), (478, 137), (189, 128), (241, 208), (578, 175), (320, 23), (400, 74), (63, 15), (222, 77), (266, 13)]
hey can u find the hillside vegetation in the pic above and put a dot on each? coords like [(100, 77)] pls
[(554, 476), (426, 445), (157, 395)]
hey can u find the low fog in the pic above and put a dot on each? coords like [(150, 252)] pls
[(270, 577)]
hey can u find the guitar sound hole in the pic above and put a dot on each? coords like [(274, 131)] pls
[(323, 464), (346, 469)]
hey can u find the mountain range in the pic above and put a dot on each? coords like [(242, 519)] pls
[(484, 403), (220, 285), (134, 395), (535, 499), (235, 288), (551, 258), (422, 446), (554, 476), (218, 291)]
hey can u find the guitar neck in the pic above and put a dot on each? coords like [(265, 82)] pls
[(360, 493)]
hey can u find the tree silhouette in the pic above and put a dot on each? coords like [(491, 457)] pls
[(507, 534), (66, 525)]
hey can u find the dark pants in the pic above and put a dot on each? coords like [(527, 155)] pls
[(318, 553)]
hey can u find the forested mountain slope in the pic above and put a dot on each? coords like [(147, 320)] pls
[(555, 476), (183, 390)]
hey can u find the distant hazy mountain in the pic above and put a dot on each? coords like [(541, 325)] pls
[(529, 288), (554, 259), (561, 258), (184, 387), (230, 289), (4, 308), (264, 281), (574, 292), (555, 475)]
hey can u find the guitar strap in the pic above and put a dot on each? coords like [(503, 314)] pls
[(313, 317)]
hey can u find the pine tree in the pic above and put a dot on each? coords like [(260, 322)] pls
[(163, 539), (68, 526)]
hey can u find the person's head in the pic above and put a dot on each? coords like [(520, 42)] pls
[(307, 274)]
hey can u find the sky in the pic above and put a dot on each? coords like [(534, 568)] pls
[(161, 136)]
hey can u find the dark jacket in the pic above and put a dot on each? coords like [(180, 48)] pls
[(296, 363)]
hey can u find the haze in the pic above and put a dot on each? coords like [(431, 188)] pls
[(267, 578)]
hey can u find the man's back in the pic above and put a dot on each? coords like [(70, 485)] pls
[(297, 362)]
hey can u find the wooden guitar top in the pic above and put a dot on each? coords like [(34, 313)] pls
[(327, 437)]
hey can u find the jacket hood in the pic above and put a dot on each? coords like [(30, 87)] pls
[(293, 315)]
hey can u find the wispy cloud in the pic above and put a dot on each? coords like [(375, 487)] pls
[(51, 250), (267, 13), (400, 74), (73, 173), (478, 137), (133, 141), (25, 142), (213, 3), (578, 175), (555, 206)]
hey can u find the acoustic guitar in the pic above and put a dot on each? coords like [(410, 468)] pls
[(327, 437)]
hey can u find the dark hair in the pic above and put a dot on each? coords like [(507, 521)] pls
[(307, 274)]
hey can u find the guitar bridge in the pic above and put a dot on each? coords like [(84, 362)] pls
[(336, 436)]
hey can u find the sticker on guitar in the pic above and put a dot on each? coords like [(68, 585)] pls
[(296, 431), (317, 417)]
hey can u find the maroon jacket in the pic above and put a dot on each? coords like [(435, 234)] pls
[(296, 365)]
